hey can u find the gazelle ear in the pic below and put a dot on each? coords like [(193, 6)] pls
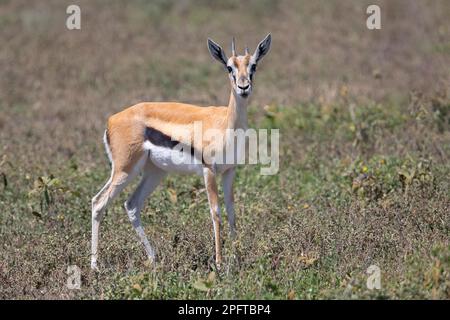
[(263, 48), (217, 52)]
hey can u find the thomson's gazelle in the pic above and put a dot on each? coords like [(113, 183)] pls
[(142, 138)]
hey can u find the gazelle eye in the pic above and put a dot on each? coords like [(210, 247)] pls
[(229, 69)]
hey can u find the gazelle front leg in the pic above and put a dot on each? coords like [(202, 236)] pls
[(211, 188), (227, 183)]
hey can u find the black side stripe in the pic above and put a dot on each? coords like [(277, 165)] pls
[(160, 139)]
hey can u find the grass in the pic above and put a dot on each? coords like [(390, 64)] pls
[(365, 146), (310, 232)]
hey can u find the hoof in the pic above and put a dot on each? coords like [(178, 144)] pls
[(150, 262), (94, 267)]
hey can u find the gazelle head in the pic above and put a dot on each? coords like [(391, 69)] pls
[(241, 69)]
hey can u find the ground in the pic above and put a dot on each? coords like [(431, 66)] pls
[(364, 119)]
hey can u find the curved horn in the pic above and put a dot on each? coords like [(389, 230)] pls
[(233, 47)]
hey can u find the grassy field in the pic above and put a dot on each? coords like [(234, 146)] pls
[(364, 119)]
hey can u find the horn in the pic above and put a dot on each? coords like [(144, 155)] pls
[(233, 47), (246, 50)]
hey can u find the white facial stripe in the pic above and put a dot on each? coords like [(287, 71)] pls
[(251, 69), (231, 65)]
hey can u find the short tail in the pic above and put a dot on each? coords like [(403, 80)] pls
[(106, 143)]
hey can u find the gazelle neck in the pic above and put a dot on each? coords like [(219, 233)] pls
[(237, 112)]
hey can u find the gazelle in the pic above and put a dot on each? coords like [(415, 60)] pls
[(142, 137)]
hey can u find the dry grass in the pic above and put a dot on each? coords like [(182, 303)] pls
[(364, 118)]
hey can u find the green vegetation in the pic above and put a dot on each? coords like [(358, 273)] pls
[(309, 232), (364, 170)]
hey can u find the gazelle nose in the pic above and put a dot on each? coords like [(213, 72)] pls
[(245, 87)]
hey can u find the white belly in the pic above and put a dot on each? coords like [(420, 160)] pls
[(172, 160)]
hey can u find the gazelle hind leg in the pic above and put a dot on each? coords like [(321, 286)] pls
[(118, 181), (99, 204), (151, 178)]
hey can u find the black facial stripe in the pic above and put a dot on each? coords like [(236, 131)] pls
[(230, 70)]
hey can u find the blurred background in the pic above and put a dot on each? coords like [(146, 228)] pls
[(131, 51), (364, 117)]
